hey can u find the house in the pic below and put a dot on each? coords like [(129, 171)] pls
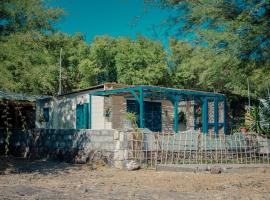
[(157, 109)]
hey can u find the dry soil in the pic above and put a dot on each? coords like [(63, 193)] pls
[(24, 179)]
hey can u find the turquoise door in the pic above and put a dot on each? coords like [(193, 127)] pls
[(82, 116), (152, 114)]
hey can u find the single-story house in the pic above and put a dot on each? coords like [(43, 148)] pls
[(158, 109)]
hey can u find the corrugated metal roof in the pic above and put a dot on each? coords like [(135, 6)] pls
[(19, 97)]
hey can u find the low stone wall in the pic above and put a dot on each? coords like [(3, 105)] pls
[(70, 145)]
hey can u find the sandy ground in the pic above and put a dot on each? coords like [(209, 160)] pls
[(22, 179)]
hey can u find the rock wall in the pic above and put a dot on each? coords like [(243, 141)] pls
[(70, 145)]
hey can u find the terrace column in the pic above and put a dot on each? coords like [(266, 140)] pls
[(216, 124), (90, 111), (205, 115), (225, 115), (176, 117), (194, 113), (141, 108)]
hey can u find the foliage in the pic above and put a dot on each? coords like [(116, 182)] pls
[(30, 62), (132, 117), (193, 69), (265, 116), (137, 134), (252, 121), (123, 60), (99, 65), (231, 44), (258, 118), (141, 62), (27, 15), (227, 36)]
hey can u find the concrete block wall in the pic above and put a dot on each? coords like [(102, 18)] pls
[(70, 145), (99, 106)]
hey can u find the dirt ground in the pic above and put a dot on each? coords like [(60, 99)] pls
[(22, 179)]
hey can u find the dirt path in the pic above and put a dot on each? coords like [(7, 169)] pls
[(49, 180)]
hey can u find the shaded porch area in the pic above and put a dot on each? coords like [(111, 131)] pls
[(207, 106)]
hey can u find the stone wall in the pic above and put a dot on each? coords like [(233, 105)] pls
[(68, 145), (187, 107)]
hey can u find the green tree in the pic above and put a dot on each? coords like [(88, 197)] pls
[(232, 29), (27, 15), (141, 62), (99, 66), (123, 60), (30, 62), (199, 67)]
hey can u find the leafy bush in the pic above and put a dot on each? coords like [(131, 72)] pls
[(258, 118)]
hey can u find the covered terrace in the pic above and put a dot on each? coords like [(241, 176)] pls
[(141, 92)]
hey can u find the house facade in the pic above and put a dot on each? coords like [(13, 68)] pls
[(157, 108)]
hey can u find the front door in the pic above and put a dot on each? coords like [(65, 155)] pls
[(152, 113), (82, 116)]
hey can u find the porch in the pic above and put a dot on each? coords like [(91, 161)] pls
[(203, 102)]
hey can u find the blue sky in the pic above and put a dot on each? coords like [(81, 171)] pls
[(111, 17)]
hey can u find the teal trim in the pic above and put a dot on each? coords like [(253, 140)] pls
[(166, 91), (152, 114), (135, 95), (86, 115), (225, 115), (82, 120), (116, 91), (216, 116), (176, 117), (79, 116), (141, 102), (139, 92), (218, 124), (90, 111), (205, 116), (194, 114)]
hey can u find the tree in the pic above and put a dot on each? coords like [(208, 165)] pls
[(141, 62), (123, 60), (27, 15), (75, 50), (199, 67), (99, 66), (238, 29), (30, 62)]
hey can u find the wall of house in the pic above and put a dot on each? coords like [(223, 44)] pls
[(62, 111), (118, 111), (100, 119), (109, 112), (187, 107)]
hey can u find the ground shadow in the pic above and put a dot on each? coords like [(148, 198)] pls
[(24, 165)]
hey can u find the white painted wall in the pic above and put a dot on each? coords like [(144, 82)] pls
[(62, 111), (99, 121)]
